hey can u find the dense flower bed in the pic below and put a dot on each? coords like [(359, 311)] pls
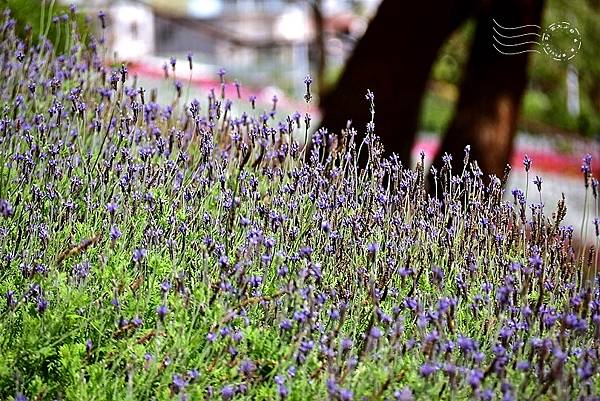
[(180, 252)]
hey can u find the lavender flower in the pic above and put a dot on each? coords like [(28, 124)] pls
[(307, 95), (404, 395), (6, 209), (586, 169), (227, 392), (162, 312), (189, 58), (427, 369), (115, 234), (538, 183), (178, 383), (138, 255), (527, 163), (102, 18)]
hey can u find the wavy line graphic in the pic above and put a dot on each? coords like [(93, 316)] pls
[(516, 27), (514, 37), (515, 53), (514, 44)]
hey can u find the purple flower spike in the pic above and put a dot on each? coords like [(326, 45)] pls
[(162, 311), (102, 18), (404, 395), (346, 394), (111, 208), (228, 392), (375, 332), (427, 369), (475, 378), (6, 209), (138, 255), (527, 163), (189, 58), (115, 234), (372, 248), (178, 383), (221, 74)]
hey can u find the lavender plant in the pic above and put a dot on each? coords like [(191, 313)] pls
[(179, 251)]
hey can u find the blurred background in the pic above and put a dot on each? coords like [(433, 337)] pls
[(269, 46)]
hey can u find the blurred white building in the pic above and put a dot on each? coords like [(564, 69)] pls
[(264, 41), (132, 30)]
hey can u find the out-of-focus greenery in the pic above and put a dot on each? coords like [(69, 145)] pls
[(546, 98), (37, 14), (436, 112), (549, 78)]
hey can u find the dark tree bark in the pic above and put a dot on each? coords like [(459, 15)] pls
[(490, 94), (393, 60)]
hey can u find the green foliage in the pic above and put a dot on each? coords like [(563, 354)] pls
[(37, 14), (551, 76)]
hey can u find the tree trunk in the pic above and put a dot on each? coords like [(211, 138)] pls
[(393, 60), (491, 91)]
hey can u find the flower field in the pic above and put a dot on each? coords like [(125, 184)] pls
[(182, 252)]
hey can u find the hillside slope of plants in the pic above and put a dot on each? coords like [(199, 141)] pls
[(178, 251)]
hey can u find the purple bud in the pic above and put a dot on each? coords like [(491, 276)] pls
[(346, 344), (115, 234), (193, 374), (346, 394), (111, 208), (178, 383), (523, 365), (427, 369), (404, 395), (285, 325), (228, 392), (375, 332), (10, 299), (102, 18), (189, 58), (527, 163), (42, 305), (6, 209), (221, 74), (165, 286), (138, 255), (283, 391), (162, 311), (373, 248), (475, 378)]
